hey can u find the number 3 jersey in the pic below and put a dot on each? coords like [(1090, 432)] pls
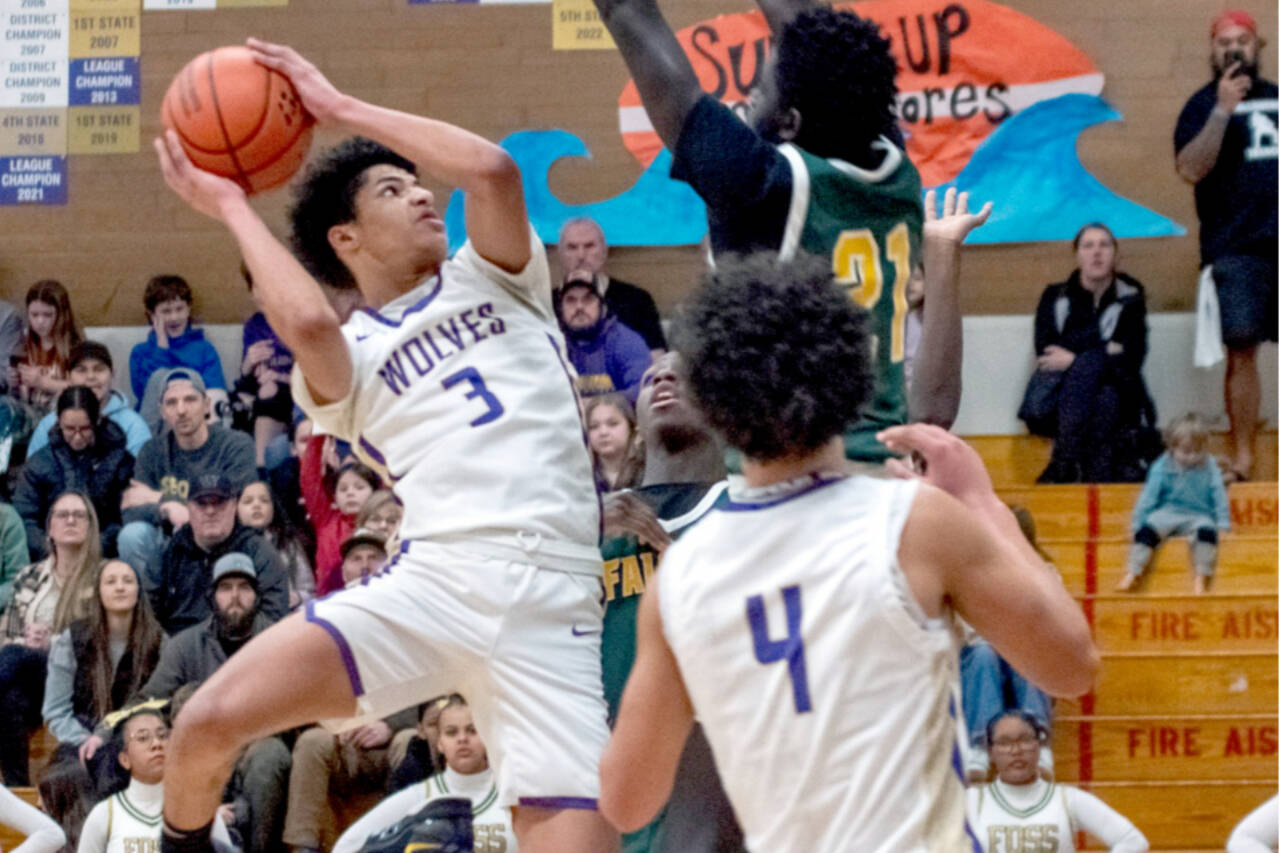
[(462, 398), (825, 692)]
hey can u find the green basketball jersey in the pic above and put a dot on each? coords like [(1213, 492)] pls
[(628, 565), (869, 223)]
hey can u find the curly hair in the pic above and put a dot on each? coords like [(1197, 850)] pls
[(327, 197), (836, 69), (779, 357)]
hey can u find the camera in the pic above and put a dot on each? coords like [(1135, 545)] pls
[(1234, 57)]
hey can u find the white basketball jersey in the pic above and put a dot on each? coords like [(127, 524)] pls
[(129, 822), (463, 399), (1025, 819), (827, 696)]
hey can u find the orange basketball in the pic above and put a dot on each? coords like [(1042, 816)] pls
[(238, 119)]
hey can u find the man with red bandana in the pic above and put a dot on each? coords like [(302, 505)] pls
[(1226, 144)]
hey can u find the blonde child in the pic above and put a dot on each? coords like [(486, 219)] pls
[(1183, 496)]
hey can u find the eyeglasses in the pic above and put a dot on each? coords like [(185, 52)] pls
[(146, 736), (86, 429), (71, 515), (1014, 744)]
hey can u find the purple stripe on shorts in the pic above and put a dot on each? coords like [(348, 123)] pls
[(348, 659), (559, 803)]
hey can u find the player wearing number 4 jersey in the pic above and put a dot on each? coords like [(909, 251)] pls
[(806, 623), (451, 381)]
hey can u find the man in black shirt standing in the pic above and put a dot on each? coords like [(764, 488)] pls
[(582, 247), (1226, 143)]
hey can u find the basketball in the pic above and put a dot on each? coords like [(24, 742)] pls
[(238, 119)]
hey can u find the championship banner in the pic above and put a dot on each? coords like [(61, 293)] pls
[(576, 25), (33, 101), (106, 91), (180, 5)]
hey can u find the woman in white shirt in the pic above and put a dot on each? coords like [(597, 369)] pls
[(1021, 811), (129, 821), (466, 774)]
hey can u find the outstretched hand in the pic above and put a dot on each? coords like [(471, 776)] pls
[(319, 97), (956, 221), (949, 463), (625, 514), (204, 191)]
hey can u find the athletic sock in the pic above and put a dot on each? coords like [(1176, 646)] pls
[(174, 840)]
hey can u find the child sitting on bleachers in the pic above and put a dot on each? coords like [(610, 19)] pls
[(1183, 496)]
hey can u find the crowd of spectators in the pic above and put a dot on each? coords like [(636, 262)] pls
[(143, 544)]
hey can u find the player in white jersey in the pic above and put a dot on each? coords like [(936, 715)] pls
[(806, 622), (128, 821), (1021, 813), (466, 774), (452, 381)]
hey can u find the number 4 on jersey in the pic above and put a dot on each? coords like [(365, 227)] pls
[(790, 648)]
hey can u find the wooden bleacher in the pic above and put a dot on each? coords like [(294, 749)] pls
[(1180, 730)]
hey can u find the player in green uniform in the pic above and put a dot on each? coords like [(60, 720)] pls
[(819, 166)]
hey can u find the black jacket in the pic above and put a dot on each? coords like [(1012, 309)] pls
[(1066, 317), (182, 597), (82, 693), (102, 470)]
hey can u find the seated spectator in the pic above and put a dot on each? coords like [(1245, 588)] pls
[(180, 597), (466, 774), (42, 834), (85, 454), (363, 556), (172, 342), (39, 365), (285, 477), (382, 514), (98, 664), (129, 820), (421, 758), (155, 503), (14, 554), (259, 510), (607, 355), (47, 597), (1091, 340), (257, 789), (332, 509), (263, 391), (617, 453), (1019, 808), (1183, 496), (91, 367), (582, 247), (324, 764)]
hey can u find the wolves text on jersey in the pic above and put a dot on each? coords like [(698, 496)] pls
[(419, 355)]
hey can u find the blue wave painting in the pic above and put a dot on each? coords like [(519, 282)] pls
[(655, 211), (1028, 166), (1030, 169)]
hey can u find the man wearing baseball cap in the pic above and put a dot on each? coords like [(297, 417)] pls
[(155, 504), (608, 356), (364, 553), (1226, 144), (90, 365), (256, 809), (214, 541)]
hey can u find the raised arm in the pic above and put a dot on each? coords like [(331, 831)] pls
[(985, 568), (497, 223), (1197, 158), (935, 391), (779, 13), (667, 84)]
